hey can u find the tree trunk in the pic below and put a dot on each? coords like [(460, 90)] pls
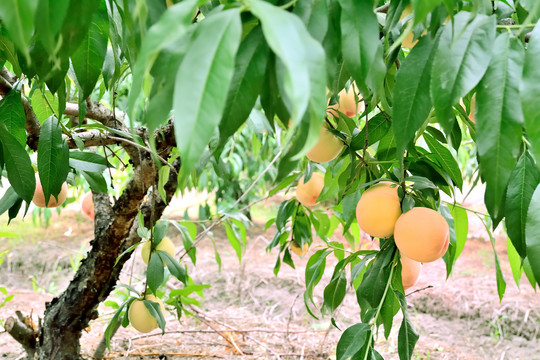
[(115, 230)]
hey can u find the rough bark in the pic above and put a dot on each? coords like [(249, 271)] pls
[(67, 315)]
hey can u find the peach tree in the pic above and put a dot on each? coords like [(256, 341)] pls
[(184, 94)]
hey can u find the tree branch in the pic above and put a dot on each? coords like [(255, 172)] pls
[(23, 333)]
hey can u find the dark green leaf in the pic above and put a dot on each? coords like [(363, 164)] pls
[(377, 128), (407, 336), (246, 83), (352, 341), (19, 168), (96, 181), (52, 161), (412, 103), (155, 310), (335, 291), (462, 57), (88, 59), (499, 121), (376, 278), (12, 115), (205, 72), (361, 46), (174, 266), (109, 331), (445, 159), (154, 272), (523, 180), (314, 272), (87, 161)]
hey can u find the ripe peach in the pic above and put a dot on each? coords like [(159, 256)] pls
[(410, 271), (378, 209), (39, 196), (87, 206), (347, 104), (307, 193), (295, 248), (327, 148), (164, 245), (139, 316), (422, 234)]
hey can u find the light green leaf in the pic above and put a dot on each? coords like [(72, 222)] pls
[(18, 17), (515, 261), (203, 76), (532, 234), (168, 29), (530, 92)]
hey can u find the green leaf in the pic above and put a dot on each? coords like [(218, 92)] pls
[(352, 341), (18, 18), (299, 66), (174, 266), (12, 115), (532, 234), (374, 282), (40, 104), (462, 57), (524, 178), (314, 14), (501, 283), (499, 121), (172, 25), (445, 159), (314, 272), (49, 22), (377, 127), (19, 168), (52, 160), (529, 272), (234, 240), (335, 291), (155, 310), (87, 161), (361, 45), (109, 331), (461, 228), (514, 260), (407, 336), (88, 59), (412, 103), (203, 76), (246, 83), (530, 92), (95, 180), (154, 272), (8, 200)]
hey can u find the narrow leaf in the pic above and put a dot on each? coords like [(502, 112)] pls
[(530, 92), (462, 57), (499, 121), (532, 234), (206, 70), (412, 103)]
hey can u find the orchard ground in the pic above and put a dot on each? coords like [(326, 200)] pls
[(248, 313)]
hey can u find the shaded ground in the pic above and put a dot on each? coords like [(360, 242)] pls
[(250, 314)]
